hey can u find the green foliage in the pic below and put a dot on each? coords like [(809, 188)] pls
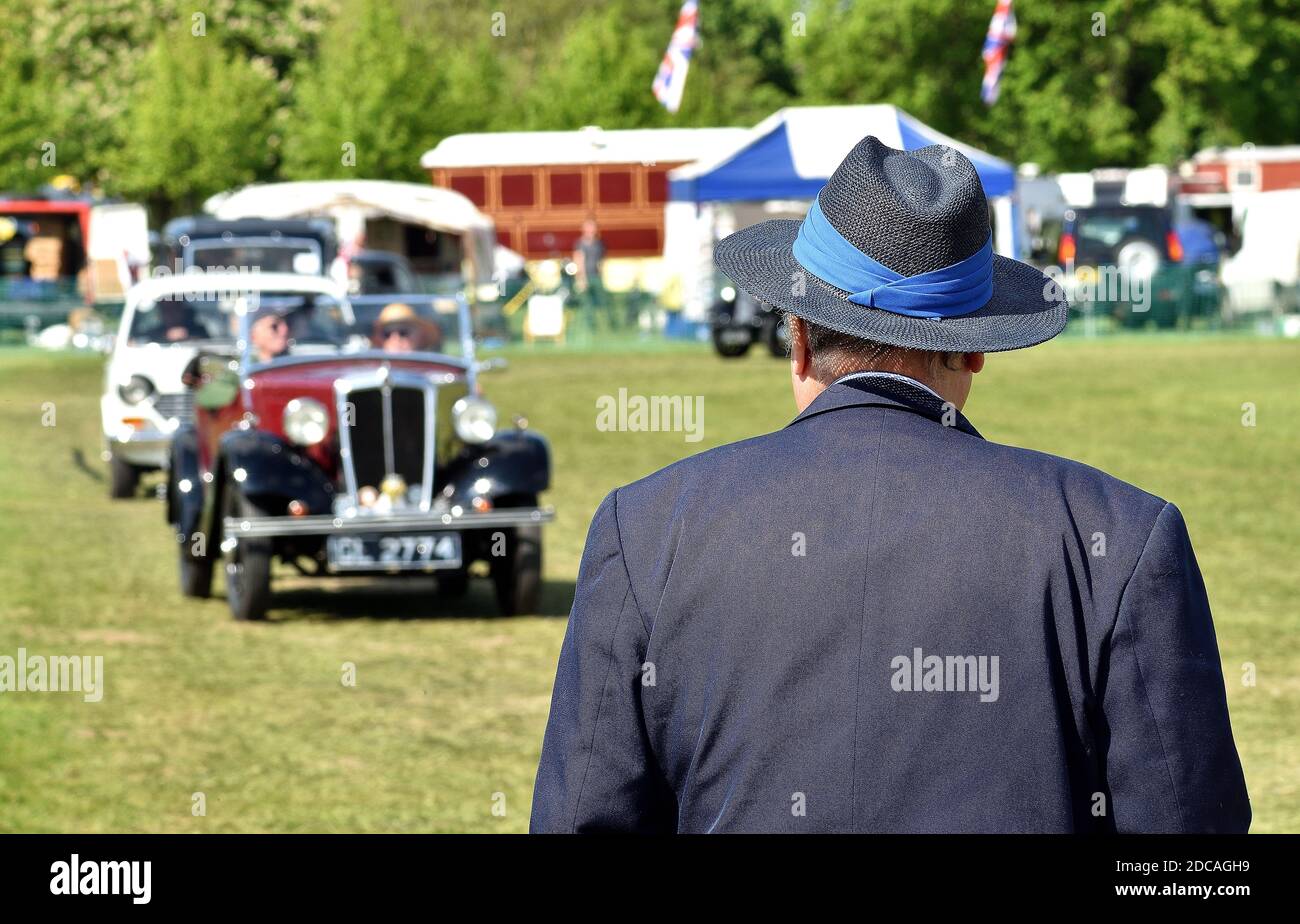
[(200, 122), (1089, 82), (89, 58), (20, 115), (740, 74), (368, 104)]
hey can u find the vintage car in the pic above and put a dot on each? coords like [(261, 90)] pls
[(284, 245), (380, 272), (339, 458), (165, 323), (737, 321)]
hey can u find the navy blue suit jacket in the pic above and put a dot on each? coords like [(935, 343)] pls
[(797, 633)]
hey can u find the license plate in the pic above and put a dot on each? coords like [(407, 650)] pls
[(394, 553), (734, 336)]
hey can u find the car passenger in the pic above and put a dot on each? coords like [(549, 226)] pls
[(399, 329)]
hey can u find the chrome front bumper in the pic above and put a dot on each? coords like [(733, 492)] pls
[(141, 447), (370, 524)]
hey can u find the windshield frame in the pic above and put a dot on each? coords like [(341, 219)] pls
[(467, 361)]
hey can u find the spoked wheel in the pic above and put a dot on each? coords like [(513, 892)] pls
[(518, 574), (247, 562)]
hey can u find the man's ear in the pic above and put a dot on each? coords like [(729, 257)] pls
[(800, 355), (974, 362)]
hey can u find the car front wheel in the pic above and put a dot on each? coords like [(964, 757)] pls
[(518, 573), (196, 574), (248, 564)]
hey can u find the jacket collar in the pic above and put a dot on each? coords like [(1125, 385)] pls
[(873, 390)]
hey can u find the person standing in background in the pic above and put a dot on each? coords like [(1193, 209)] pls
[(588, 255)]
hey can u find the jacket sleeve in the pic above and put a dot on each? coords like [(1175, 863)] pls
[(1169, 758), (597, 772)]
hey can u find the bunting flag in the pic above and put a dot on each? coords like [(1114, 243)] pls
[(671, 79), (1002, 31)]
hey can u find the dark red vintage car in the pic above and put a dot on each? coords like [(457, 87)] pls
[(338, 458)]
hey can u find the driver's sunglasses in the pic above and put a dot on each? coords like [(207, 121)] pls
[(403, 332)]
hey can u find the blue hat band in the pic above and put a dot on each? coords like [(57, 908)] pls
[(948, 292)]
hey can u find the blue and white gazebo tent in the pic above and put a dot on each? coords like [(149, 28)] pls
[(778, 168)]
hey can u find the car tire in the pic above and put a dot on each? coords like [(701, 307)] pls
[(776, 334), (123, 478), (196, 574), (247, 565), (518, 574), (729, 350)]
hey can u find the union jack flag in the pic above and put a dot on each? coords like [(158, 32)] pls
[(1002, 30), (671, 79)]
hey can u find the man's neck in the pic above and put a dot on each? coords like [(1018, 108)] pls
[(901, 376)]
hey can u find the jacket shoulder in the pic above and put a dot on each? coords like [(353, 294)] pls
[(1076, 481), (753, 455)]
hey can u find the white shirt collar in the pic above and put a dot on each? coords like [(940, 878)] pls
[(888, 375)]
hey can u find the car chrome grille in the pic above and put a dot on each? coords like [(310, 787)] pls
[(178, 407), (386, 428)]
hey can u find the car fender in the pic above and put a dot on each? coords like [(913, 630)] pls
[(513, 462), (271, 472), (185, 482)]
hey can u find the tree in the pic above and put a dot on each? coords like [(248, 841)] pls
[(368, 105), (741, 72), (199, 122), (1089, 82), (21, 126), (1231, 73), (90, 59), (602, 71)]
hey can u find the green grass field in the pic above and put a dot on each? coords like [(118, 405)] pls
[(445, 721)]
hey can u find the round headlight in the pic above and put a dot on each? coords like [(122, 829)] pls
[(306, 422), (136, 389), (476, 419)]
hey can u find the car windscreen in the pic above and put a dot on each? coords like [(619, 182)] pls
[(288, 255), (180, 318), (381, 277), (1099, 233), (313, 318)]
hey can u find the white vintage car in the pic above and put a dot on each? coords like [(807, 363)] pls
[(165, 323)]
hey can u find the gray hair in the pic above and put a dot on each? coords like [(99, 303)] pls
[(835, 354)]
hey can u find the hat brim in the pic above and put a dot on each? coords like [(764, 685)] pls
[(1027, 307)]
